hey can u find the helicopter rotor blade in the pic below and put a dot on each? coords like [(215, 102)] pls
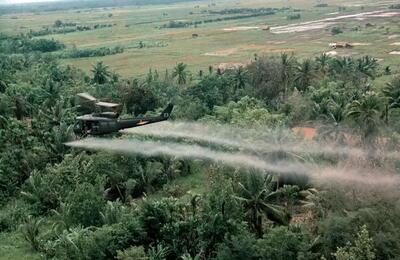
[(87, 97), (107, 104)]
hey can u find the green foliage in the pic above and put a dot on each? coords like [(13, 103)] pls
[(362, 249), (180, 73), (222, 215), (154, 215), (258, 195), (247, 111), (30, 231), (112, 213), (40, 193), (336, 30), (98, 52), (282, 243), (100, 73), (243, 246), (366, 112), (304, 75), (95, 243), (13, 214), (139, 98), (212, 90), (84, 205), (23, 44), (392, 93), (293, 17), (336, 231), (266, 77), (298, 108), (132, 253), (158, 253)]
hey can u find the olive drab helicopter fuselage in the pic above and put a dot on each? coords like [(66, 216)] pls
[(104, 123)]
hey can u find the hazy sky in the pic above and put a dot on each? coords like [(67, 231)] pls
[(22, 1)]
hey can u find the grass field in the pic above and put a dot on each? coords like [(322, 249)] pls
[(218, 42)]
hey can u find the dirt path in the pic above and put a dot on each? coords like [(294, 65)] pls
[(322, 23)]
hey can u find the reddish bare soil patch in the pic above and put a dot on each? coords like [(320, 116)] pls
[(305, 132)]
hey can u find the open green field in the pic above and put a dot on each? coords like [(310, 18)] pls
[(231, 41)]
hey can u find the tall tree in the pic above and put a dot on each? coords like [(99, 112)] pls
[(392, 95), (258, 195), (366, 112), (287, 67), (100, 73), (180, 72), (322, 64), (240, 78), (304, 75)]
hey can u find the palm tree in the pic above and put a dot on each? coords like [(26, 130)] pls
[(342, 66), (287, 65), (30, 231), (392, 95), (366, 112), (333, 128), (304, 75), (159, 252), (181, 73), (100, 73), (367, 66), (258, 195), (322, 63), (50, 93), (171, 168), (239, 78), (3, 86)]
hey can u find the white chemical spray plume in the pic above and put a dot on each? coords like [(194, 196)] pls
[(354, 178), (154, 148), (257, 140), (247, 142)]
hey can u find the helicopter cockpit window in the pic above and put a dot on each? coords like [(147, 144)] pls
[(88, 126)]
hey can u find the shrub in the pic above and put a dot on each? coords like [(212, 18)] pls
[(335, 231), (336, 30), (98, 243), (293, 17), (282, 243), (30, 231), (13, 214), (84, 205), (239, 247), (132, 253), (155, 214), (247, 111), (361, 249)]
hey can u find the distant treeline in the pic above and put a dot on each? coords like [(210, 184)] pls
[(293, 16), (244, 13), (148, 44), (396, 6), (75, 53), (25, 44), (68, 5), (248, 10), (64, 28)]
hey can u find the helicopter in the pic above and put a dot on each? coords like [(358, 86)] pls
[(104, 123)]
